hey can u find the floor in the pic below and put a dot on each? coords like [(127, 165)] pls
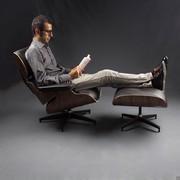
[(32, 150)]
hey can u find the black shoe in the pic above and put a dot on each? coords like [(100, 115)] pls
[(158, 79), (165, 59), (157, 82), (158, 70)]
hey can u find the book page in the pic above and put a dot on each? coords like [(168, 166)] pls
[(84, 62)]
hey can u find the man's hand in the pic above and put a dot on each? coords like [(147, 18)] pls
[(75, 72)]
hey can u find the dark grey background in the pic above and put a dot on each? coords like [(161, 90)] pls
[(127, 36)]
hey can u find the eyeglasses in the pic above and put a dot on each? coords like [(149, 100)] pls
[(48, 31)]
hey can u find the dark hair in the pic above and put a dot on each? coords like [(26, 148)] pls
[(38, 22)]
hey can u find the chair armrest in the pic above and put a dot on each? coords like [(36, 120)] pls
[(55, 87)]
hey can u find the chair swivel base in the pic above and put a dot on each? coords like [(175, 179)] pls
[(66, 115), (140, 119)]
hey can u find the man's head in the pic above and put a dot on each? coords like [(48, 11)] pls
[(42, 28)]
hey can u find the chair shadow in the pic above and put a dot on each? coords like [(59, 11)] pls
[(105, 124), (110, 123)]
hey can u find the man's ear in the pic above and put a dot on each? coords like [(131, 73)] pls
[(38, 32)]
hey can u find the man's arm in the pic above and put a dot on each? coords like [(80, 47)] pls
[(66, 70)]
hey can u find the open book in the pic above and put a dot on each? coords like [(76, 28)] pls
[(84, 62)]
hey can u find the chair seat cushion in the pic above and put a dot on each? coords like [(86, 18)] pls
[(68, 99), (146, 97), (94, 93)]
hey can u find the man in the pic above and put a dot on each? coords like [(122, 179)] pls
[(47, 71)]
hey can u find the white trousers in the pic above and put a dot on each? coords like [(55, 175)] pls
[(113, 79)]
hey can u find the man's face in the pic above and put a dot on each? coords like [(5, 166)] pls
[(46, 34)]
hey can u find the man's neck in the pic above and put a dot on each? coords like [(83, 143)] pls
[(38, 38)]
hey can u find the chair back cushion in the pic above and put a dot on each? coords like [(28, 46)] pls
[(28, 76)]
